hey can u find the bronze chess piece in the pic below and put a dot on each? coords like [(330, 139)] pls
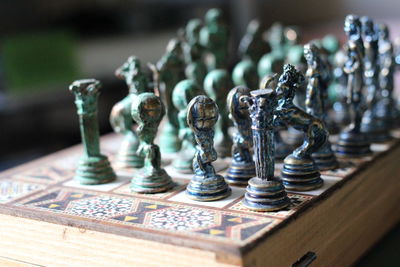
[(206, 184), (242, 166), (264, 192)]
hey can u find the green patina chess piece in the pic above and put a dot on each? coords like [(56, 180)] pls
[(264, 192), (93, 167), (147, 111), (372, 125), (206, 184), (316, 97), (195, 69), (386, 107), (242, 166), (214, 36), (185, 91), (245, 74), (217, 85), (252, 46), (170, 71), (120, 117), (281, 149), (352, 142), (299, 172)]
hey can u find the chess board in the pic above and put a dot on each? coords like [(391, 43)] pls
[(44, 191)]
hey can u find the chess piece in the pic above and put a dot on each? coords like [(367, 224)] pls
[(185, 91), (195, 69), (386, 108), (206, 184), (264, 192), (352, 142), (282, 149), (217, 85), (252, 46), (371, 124), (245, 74), (214, 36), (93, 167), (170, 71), (316, 98), (120, 117), (242, 166), (147, 111), (300, 172)]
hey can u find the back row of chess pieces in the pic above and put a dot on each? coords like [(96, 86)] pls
[(196, 95)]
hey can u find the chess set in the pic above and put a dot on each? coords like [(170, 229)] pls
[(258, 166)]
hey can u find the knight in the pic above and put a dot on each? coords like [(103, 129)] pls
[(300, 172), (120, 117)]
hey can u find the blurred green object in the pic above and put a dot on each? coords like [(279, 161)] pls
[(39, 62)]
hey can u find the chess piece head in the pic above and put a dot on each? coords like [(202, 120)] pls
[(331, 44), (174, 46), (202, 114), (147, 108), (352, 26), (183, 92), (368, 28), (276, 36), (132, 65), (254, 27), (311, 53), (237, 103), (193, 29), (245, 73), (213, 17), (383, 31), (85, 87), (216, 84)]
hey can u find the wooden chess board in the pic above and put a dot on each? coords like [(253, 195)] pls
[(47, 218)]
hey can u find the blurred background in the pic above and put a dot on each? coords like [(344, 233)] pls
[(46, 44)]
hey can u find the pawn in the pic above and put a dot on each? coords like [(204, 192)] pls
[(183, 92), (147, 111), (245, 74), (242, 166), (94, 167), (217, 85), (206, 184), (264, 192)]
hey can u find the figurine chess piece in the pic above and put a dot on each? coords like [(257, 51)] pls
[(147, 111), (170, 71), (120, 117), (282, 149), (195, 69), (371, 124), (93, 167), (245, 74), (214, 36), (206, 184), (242, 166), (352, 142), (185, 91), (252, 46), (386, 108), (316, 97), (217, 85), (300, 172), (264, 192)]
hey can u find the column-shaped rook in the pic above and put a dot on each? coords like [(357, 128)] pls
[(264, 192), (93, 168)]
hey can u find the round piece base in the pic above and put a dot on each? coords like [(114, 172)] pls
[(239, 173), (151, 183), (208, 188), (264, 195), (94, 170), (352, 145)]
